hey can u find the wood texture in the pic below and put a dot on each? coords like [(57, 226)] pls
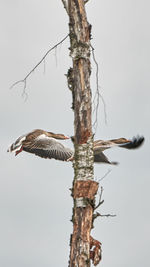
[(84, 188)]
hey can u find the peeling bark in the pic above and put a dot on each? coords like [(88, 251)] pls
[(84, 188), (80, 239)]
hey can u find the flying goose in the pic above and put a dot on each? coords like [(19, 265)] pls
[(46, 145), (43, 144)]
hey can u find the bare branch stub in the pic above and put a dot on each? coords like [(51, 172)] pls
[(97, 214)]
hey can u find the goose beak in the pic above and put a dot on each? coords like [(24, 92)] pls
[(18, 151)]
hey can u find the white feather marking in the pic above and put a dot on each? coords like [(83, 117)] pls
[(41, 136), (22, 139), (44, 136)]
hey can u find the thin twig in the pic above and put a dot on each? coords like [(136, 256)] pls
[(100, 202), (56, 55), (106, 215), (24, 80), (104, 175), (97, 95)]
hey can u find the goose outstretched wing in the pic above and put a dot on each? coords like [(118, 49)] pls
[(101, 145), (48, 147)]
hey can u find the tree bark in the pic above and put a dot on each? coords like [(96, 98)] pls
[(84, 188)]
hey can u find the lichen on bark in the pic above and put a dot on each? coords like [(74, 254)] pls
[(83, 165)]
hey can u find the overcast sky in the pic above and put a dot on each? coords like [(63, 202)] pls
[(35, 201)]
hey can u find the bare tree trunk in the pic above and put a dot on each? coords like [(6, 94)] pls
[(84, 188), (79, 30)]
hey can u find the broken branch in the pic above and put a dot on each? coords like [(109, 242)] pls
[(97, 214)]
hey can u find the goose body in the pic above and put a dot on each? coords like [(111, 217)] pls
[(46, 145), (43, 144)]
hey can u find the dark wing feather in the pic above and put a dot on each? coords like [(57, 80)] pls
[(134, 143), (47, 147), (101, 158)]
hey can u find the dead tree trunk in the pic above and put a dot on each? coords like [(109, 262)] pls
[(84, 187)]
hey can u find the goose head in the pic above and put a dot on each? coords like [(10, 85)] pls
[(17, 146)]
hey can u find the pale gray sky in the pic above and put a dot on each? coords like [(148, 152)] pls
[(35, 202)]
